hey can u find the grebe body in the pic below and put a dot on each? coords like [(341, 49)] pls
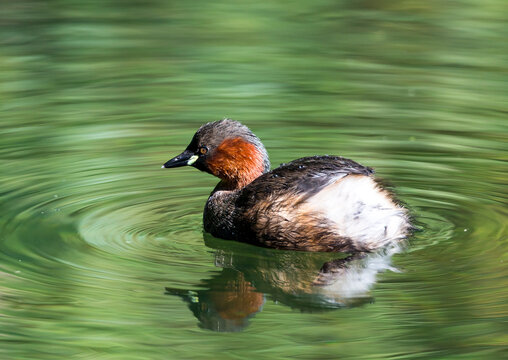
[(318, 203)]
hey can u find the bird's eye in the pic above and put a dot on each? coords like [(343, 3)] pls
[(203, 150)]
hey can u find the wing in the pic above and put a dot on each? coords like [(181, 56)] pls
[(272, 207), (300, 178)]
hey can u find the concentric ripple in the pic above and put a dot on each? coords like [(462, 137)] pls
[(100, 243)]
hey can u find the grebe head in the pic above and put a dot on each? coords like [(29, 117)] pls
[(226, 149)]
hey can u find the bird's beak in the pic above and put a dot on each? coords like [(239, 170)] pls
[(185, 158)]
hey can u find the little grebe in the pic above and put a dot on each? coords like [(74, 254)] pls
[(317, 203)]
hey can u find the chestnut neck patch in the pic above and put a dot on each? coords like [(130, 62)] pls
[(236, 162)]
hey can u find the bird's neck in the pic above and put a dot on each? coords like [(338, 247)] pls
[(237, 163)]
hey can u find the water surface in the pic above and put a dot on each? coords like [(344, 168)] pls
[(102, 253)]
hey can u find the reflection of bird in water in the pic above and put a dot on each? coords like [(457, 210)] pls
[(225, 304), (301, 280)]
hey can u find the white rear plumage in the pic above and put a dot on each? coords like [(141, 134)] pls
[(361, 211)]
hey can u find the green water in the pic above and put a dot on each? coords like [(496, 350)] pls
[(102, 253)]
